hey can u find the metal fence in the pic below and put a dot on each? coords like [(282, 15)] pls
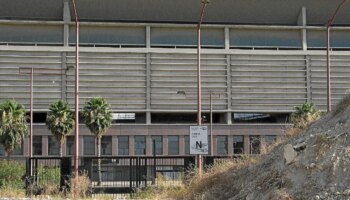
[(125, 174), (45, 172), (113, 175)]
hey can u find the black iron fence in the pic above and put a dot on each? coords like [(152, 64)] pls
[(112, 175), (47, 172), (125, 174)]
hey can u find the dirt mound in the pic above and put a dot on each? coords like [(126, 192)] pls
[(313, 165)]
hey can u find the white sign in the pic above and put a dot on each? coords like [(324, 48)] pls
[(198, 140)]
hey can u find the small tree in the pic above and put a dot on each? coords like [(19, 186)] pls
[(97, 116), (13, 126), (60, 121)]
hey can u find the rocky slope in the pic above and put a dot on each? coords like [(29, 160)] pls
[(312, 165)]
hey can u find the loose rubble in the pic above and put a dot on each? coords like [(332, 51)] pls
[(313, 165)]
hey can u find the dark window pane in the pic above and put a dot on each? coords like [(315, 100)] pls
[(106, 145), (173, 145), (2, 150), (37, 145), (222, 145), (70, 145), (238, 144), (140, 145), (187, 144), (123, 145), (254, 144), (159, 144), (53, 146), (89, 145)]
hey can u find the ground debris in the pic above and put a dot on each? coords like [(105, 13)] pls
[(312, 165)]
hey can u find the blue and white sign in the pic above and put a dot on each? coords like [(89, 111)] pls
[(198, 140)]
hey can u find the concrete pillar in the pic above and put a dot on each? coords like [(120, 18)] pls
[(131, 145), (148, 37), (45, 145), (181, 145), (148, 76), (114, 145), (227, 38), (64, 149), (66, 20), (25, 146), (229, 90), (81, 146), (148, 88), (302, 21), (230, 145), (149, 145), (215, 149), (246, 144), (165, 145), (308, 78), (64, 77)]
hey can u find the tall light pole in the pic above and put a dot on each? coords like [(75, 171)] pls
[(76, 131), (211, 123), (31, 115), (328, 27), (199, 117), (39, 71)]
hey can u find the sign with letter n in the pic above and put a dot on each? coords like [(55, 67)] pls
[(198, 140)]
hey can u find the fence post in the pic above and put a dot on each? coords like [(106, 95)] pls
[(208, 161), (29, 178), (86, 164), (189, 162), (131, 175), (66, 166), (154, 163)]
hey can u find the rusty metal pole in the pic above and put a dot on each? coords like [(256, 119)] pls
[(328, 27), (328, 71), (199, 117), (31, 113), (211, 124), (76, 155)]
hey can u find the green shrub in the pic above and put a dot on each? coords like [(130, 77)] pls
[(49, 179), (304, 115), (11, 173)]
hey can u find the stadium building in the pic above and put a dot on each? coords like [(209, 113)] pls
[(260, 59)]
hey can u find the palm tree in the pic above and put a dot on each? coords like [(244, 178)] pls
[(60, 121), (304, 115), (13, 127), (97, 116)]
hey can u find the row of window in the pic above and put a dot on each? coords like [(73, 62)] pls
[(170, 36), (89, 145)]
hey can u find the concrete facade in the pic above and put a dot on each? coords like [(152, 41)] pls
[(141, 62)]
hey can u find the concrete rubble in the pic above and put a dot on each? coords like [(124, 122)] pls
[(314, 165)]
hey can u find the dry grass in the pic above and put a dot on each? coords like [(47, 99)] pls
[(12, 193), (342, 105), (267, 148), (293, 132), (303, 121), (196, 185), (79, 187), (215, 175), (163, 190)]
